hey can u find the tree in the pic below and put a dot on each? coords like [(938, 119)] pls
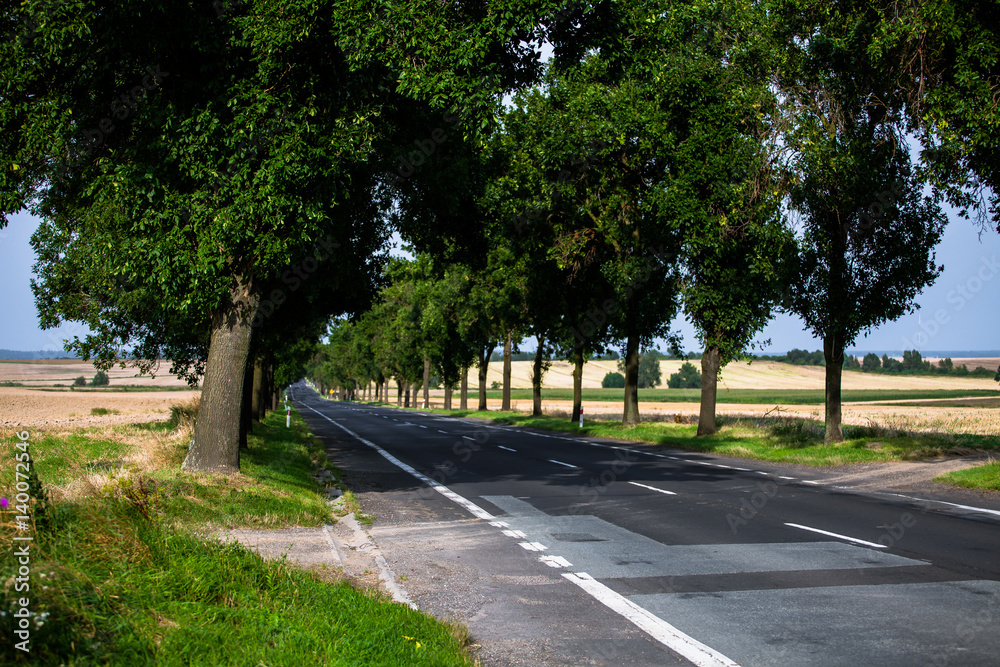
[(613, 381), (649, 370), (912, 360), (231, 159), (871, 363), (688, 377), (945, 55), (867, 238), (100, 379)]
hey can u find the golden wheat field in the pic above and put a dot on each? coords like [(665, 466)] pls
[(27, 407)]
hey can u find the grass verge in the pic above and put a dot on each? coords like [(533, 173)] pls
[(984, 477), (120, 576), (779, 439)]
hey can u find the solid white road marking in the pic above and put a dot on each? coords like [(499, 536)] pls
[(964, 507), (568, 465), (840, 537), (656, 627), (473, 508), (653, 488)]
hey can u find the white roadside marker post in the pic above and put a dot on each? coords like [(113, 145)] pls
[(288, 417), (581, 416)]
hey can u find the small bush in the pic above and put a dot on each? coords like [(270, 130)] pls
[(80, 382), (613, 381), (495, 384), (688, 377), (100, 380)]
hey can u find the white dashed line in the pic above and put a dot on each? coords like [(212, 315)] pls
[(533, 546), (507, 448), (555, 561), (568, 465), (440, 431), (653, 488), (840, 537), (515, 533)]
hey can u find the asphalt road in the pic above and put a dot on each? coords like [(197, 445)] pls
[(581, 551)]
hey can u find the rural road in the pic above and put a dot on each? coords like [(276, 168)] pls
[(561, 550)]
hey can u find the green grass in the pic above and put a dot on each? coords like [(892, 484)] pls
[(986, 477), (127, 580), (779, 439), (745, 396), (276, 489), (120, 589)]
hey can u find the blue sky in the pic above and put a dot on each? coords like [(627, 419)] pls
[(958, 313)]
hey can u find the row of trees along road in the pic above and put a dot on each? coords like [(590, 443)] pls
[(216, 181)]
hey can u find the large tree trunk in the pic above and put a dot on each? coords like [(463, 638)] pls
[(833, 352), (536, 378), (427, 382), (259, 387), (630, 415), (399, 393), (577, 380), (464, 400), (448, 389), (246, 405), (508, 344), (406, 396), (709, 389), (216, 443), (416, 394), (484, 367), (272, 391)]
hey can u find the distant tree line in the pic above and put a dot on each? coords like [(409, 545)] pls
[(914, 364)]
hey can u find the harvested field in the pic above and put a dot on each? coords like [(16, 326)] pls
[(21, 407), (743, 375), (49, 372)]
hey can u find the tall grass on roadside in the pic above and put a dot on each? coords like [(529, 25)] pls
[(120, 575), (112, 586)]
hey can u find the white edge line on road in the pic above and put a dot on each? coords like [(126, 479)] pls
[(656, 627), (568, 465), (507, 448), (838, 536), (964, 507), (653, 488), (473, 508)]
